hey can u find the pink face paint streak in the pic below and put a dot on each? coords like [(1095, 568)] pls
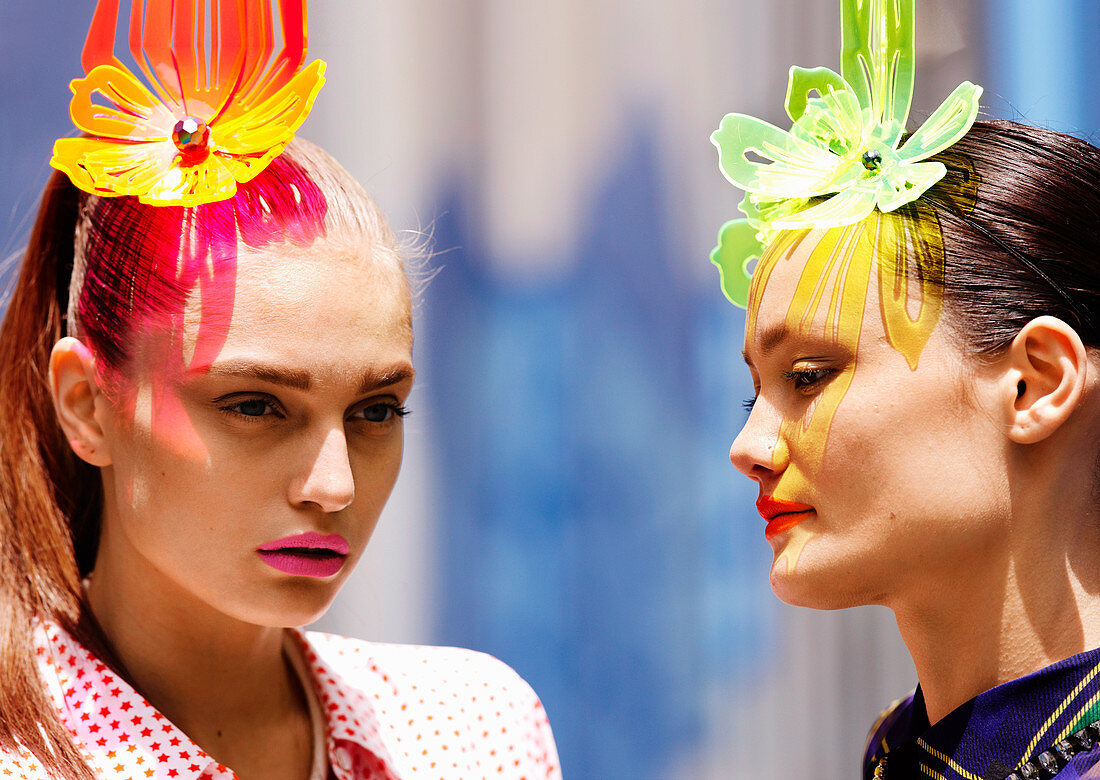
[(143, 264), (306, 555)]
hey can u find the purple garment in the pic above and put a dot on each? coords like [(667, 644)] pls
[(1035, 723)]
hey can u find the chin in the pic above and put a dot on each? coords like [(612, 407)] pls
[(294, 605), (817, 584)]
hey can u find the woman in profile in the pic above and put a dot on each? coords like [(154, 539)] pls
[(205, 364), (923, 335)]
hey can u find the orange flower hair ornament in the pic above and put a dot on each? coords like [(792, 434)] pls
[(215, 116)]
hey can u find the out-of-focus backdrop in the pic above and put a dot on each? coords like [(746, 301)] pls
[(567, 503)]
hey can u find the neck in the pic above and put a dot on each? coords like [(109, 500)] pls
[(212, 675), (1003, 614)]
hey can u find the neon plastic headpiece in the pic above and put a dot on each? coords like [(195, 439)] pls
[(216, 115), (845, 155)]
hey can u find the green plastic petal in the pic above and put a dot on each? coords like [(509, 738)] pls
[(807, 167), (834, 121), (950, 122), (878, 55), (737, 247), (841, 159), (918, 178), (803, 81), (844, 208)]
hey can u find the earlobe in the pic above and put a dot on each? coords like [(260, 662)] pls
[(1045, 379), (75, 390)]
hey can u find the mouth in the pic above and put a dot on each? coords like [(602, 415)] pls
[(781, 515), (306, 555)]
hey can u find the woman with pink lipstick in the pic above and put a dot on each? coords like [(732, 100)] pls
[(206, 360), (923, 334)]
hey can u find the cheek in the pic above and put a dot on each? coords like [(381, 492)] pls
[(902, 439), (376, 466)]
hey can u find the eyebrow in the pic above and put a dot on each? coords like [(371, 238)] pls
[(301, 380), (769, 340)]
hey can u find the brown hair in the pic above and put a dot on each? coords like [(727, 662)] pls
[(50, 500), (1029, 244)]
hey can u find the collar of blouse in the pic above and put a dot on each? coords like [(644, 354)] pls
[(123, 735), (997, 731)]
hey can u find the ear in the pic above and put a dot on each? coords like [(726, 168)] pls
[(75, 390), (1045, 379)]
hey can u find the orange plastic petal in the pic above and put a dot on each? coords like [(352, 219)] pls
[(192, 185), (137, 114), (267, 128), (99, 47), (224, 79), (106, 167), (292, 19)]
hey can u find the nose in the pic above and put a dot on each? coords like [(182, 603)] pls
[(755, 451), (326, 480)]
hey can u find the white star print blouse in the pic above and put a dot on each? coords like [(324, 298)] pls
[(391, 712)]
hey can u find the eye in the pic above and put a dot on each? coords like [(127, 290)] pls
[(748, 404), (808, 378), (251, 408), (381, 412)]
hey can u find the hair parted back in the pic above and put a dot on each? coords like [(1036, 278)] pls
[(1029, 245), (99, 268)]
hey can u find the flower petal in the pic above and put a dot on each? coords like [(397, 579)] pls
[(844, 208), (192, 185), (909, 182), (738, 246), (878, 55), (107, 167), (798, 168), (803, 81), (255, 136), (136, 114), (948, 123)]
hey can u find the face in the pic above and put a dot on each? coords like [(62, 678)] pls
[(881, 468), (252, 483)]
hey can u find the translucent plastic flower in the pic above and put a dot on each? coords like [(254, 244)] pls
[(211, 118), (847, 153)]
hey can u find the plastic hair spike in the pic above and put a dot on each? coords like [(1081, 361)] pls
[(212, 116), (844, 157)]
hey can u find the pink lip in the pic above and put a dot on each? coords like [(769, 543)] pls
[(306, 555)]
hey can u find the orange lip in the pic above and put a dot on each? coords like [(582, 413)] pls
[(781, 515)]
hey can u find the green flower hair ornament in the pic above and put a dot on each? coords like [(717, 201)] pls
[(844, 156)]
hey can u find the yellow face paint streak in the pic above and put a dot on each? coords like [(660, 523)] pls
[(898, 241), (842, 263), (797, 540)]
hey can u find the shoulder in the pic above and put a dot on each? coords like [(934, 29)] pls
[(441, 699), (880, 732), (423, 666)]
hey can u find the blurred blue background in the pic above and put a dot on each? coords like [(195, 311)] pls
[(567, 503)]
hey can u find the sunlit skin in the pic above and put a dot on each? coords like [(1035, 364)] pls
[(955, 493), (294, 428)]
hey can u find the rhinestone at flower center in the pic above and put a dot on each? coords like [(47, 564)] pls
[(191, 136)]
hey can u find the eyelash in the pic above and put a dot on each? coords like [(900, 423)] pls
[(233, 410), (802, 379), (805, 378)]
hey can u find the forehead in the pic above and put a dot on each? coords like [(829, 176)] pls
[(813, 282), (328, 303)]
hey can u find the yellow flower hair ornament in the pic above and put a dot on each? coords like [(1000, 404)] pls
[(847, 153), (211, 116)]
